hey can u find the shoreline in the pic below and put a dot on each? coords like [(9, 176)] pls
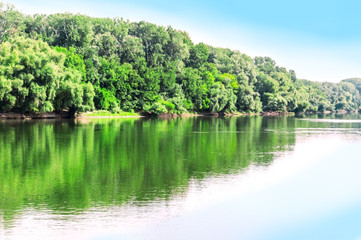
[(65, 115), (24, 116)]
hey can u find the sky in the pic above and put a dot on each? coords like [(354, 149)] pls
[(320, 40)]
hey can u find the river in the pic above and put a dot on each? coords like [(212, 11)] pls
[(247, 177)]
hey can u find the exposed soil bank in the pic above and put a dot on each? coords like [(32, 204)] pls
[(34, 116), (165, 115), (67, 115), (169, 115)]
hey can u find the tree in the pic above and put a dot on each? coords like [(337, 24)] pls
[(11, 22), (34, 79), (198, 55), (69, 30), (154, 38), (218, 97), (114, 65)]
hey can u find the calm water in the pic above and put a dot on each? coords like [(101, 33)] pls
[(194, 178)]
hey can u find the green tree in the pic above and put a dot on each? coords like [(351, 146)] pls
[(11, 22), (198, 55), (34, 79)]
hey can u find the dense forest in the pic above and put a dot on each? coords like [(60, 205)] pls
[(76, 63)]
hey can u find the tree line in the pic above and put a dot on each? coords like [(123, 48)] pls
[(79, 63)]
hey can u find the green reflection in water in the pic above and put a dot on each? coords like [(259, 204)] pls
[(70, 166)]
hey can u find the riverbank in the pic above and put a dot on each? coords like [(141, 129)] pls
[(35, 115), (53, 115), (106, 114)]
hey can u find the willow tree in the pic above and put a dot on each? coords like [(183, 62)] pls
[(33, 79)]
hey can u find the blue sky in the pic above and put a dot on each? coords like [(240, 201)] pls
[(319, 40)]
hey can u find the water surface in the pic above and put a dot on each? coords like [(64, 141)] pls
[(193, 178)]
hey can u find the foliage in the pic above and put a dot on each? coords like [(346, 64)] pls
[(74, 62), (34, 79), (158, 108)]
